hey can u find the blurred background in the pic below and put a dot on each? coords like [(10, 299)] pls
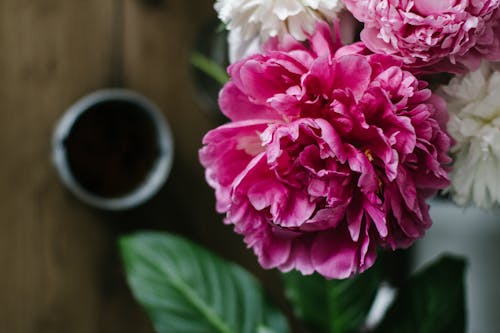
[(60, 269)]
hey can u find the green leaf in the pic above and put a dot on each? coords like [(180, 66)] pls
[(209, 67), (335, 306), (309, 300), (274, 320), (186, 289), (431, 302)]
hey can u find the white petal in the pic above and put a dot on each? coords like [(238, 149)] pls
[(258, 20), (474, 105)]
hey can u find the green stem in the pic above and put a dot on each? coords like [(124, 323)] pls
[(209, 67)]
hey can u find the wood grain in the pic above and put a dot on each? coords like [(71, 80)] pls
[(52, 247), (60, 270), (60, 267)]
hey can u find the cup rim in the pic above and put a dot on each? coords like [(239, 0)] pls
[(154, 179)]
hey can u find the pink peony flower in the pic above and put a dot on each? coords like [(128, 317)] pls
[(431, 35), (331, 153)]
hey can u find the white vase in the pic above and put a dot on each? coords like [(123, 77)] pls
[(474, 234)]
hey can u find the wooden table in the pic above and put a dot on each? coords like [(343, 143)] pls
[(60, 270)]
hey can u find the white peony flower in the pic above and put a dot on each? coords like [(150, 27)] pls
[(474, 105), (253, 22)]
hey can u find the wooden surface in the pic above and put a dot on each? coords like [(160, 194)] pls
[(60, 270)]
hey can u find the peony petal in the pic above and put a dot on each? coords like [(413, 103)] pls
[(237, 106), (294, 211), (355, 214), (377, 215), (327, 218), (262, 80), (331, 151), (300, 256), (334, 255), (431, 36), (344, 68), (275, 249)]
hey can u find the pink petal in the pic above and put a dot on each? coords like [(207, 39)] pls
[(334, 255)]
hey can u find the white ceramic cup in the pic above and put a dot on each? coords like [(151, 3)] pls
[(156, 176)]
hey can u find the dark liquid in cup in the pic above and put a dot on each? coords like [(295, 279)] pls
[(112, 147)]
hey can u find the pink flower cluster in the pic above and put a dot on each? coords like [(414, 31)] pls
[(431, 35), (330, 153)]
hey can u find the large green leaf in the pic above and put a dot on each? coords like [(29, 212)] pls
[(186, 289), (431, 302), (335, 306)]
